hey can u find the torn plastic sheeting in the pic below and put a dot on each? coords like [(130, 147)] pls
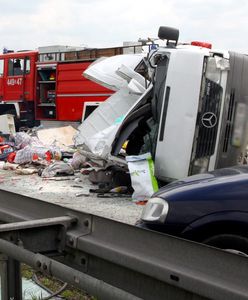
[(5, 151), (103, 71), (22, 139), (30, 146), (77, 161), (57, 169), (26, 155)]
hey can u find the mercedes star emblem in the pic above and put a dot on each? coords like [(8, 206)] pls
[(209, 119)]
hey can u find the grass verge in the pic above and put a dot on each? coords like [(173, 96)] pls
[(53, 284)]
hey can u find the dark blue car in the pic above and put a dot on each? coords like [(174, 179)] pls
[(211, 208)]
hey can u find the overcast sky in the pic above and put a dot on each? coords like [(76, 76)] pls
[(28, 24)]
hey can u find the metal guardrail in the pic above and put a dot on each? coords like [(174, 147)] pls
[(111, 260)]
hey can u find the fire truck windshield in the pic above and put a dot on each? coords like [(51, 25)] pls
[(16, 66)]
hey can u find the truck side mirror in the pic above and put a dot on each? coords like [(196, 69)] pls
[(170, 34)]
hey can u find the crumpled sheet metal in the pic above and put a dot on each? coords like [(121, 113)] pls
[(97, 132), (103, 71)]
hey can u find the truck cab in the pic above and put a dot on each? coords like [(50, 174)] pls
[(192, 116), (17, 78)]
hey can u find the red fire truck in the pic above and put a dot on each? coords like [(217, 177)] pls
[(39, 86)]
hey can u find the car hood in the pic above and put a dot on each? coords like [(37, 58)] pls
[(209, 177), (214, 195)]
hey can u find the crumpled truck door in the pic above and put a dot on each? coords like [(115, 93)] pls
[(97, 132)]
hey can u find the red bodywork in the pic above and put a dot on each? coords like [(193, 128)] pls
[(57, 90), (14, 88)]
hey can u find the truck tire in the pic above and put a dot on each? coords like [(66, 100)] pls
[(229, 242)]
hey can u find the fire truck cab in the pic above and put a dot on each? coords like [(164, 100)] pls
[(17, 82), (38, 86)]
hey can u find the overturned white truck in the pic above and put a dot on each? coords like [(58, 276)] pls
[(188, 108)]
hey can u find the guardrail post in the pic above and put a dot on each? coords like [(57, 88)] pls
[(11, 280)]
